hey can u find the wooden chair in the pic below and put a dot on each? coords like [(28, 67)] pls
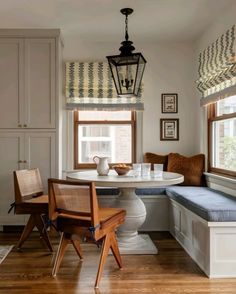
[(29, 199), (74, 205)]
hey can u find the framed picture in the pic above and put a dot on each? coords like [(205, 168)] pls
[(169, 129), (169, 103)]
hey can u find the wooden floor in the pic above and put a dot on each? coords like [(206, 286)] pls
[(171, 271)]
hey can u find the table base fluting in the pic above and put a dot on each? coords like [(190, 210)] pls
[(130, 242)]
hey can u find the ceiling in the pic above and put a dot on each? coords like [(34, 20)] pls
[(153, 20)]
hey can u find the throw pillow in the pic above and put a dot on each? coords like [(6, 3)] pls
[(191, 167), (156, 158)]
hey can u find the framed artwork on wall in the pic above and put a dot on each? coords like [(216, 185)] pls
[(169, 129), (169, 103)]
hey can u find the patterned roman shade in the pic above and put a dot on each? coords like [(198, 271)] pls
[(217, 69), (89, 86)]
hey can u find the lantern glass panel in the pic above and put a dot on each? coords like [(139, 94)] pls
[(140, 71), (127, 73)]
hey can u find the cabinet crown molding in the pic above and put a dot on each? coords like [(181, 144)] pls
[(30, 33)]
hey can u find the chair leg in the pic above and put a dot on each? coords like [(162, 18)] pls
[(64, 241), (43, 232), (115, 249), (26, 232), (105, 249), (77, 247)]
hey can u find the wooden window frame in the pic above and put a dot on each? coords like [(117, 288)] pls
[(212, 117), (78, 122)]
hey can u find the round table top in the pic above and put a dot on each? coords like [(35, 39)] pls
[(127, 181)]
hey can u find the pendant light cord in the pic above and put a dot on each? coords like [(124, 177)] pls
[(126, 28)]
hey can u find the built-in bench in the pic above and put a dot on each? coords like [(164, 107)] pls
[(202, 220)]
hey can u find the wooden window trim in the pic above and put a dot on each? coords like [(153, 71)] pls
[(77, 122), (211, 118)]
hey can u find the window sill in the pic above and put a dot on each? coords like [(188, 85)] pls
[(223, 183), (220, 177)]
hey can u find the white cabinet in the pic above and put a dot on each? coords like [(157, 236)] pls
[(28, 83), (39, 148), (19, 150), (11, 82), (29, 109), (11, 152), (39, 83)]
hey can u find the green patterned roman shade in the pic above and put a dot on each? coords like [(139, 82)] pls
[(217, 69), (89, 86)]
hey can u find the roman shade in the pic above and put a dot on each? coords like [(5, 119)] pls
[(217, 69), (89, 86)]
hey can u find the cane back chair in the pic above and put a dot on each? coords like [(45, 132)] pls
[(29, 199), (74, 205)]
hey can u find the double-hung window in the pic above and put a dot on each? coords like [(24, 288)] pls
[(222, 136), (105, 134)]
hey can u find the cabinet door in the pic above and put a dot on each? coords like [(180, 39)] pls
[(40, 153), (11, 82), (40, 83), (11, 152)]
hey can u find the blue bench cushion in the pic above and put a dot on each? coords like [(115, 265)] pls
[(150, 191), (107, 191), (211, 205), (139, 192)]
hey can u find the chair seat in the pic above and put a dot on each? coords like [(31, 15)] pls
[(109, 217), (38, 199), (36, 205), (105, 214)]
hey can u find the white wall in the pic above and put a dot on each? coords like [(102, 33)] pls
[(169, 69), (223, 22)]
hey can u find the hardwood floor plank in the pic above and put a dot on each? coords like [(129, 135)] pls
[(171, 271)]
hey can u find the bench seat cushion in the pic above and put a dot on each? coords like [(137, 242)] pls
[(211, 205), (139, 191), (150, 191), (107, 191)]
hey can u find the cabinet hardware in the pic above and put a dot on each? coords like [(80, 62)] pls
[(20, 161), (25, 161), (19, 126), (25, 126)]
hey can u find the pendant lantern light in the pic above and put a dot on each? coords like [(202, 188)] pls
[(127, 68)]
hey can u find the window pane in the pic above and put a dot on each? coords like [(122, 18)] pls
[(113, 141), (226, 106), (224, 144), (105, 115), (95, 131)]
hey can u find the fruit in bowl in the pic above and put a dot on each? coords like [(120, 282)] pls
[(121, 169)]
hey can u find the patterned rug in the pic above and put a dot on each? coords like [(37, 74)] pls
[(4, 250)]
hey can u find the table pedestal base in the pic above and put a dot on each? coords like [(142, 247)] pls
[(130, 242), (140, 244)]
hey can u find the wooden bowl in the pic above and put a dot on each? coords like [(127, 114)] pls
[(122, 170)]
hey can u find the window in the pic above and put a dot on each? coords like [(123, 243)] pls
[(104, 133), (222, 136)]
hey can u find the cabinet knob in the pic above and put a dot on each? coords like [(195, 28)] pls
[(25, 126), (19, 126), (25, 161), (20, 161)]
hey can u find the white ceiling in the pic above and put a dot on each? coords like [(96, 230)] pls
[(100, 20)]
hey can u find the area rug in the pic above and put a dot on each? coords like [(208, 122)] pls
[(4, 250)]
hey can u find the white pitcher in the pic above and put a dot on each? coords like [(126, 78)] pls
[(102, 165)]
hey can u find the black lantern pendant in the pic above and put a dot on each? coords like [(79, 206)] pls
[(127, 68)]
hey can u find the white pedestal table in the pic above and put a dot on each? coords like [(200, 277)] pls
[(130, 242)]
